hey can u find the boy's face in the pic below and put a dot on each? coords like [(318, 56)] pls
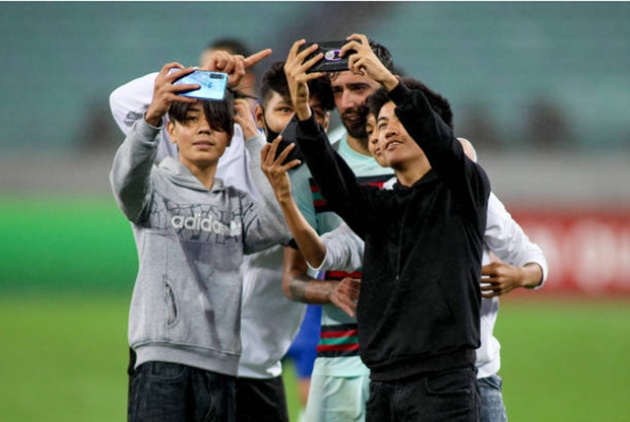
[(279, 110), (350, 92), (199, 144), (374, 145), (396, 146)]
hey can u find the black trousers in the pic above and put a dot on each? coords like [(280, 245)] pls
[(261, 400), (450, 395)]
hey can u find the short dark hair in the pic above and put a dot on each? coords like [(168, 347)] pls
[(275, 80), (439, 104), (219, 114), (231, 45), (383, 55)]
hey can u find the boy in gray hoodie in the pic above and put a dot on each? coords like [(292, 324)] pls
[(191, 232)]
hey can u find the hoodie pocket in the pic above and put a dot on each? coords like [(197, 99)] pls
[(171, 305)]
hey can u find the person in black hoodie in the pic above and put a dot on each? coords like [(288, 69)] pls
[(418, 316)]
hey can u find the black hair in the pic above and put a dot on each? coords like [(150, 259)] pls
[(383, 55), (231, 45), (439, 104), (219, 114), (275, 80)]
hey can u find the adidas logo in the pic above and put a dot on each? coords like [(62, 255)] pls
[(207, 224)]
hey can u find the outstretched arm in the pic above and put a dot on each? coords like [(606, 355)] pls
[(130, 174), (336, 179), (307, 239), (299, 286)]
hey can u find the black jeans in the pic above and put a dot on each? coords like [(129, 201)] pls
[(170, 392), (437, 397), (261, 400)]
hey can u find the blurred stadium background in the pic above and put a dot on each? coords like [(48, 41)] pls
[(542, 89)]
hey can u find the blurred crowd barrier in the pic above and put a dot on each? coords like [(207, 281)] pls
[(588, 251)]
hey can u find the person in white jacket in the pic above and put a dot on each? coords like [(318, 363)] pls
[(521, 264)]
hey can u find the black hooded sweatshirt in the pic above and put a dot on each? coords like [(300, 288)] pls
[(419, 303)]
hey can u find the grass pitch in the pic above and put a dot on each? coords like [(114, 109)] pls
[(63, 358), (66, 276)]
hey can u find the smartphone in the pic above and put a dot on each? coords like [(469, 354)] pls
[(289, 136), (332, 60), (212, 84)]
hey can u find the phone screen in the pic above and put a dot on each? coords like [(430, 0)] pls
[(212, 85)]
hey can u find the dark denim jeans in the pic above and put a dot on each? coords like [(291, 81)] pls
[(492, 407), (170, 392), (441, 396), (261, 400)]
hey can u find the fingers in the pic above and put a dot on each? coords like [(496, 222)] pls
[(296, 62), (346, 308), (363, 39), (257, 57), (173, 65), (489, 269), (264, 153), (165, 87), (241, 107), (284, 154), (295, 47), (346, 305), (356, 42), (273, 149)]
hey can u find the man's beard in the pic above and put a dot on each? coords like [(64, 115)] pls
[(354, 120)]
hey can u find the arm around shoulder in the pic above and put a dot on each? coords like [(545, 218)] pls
[(128, 102)]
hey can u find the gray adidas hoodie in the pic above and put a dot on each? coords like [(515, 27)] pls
[(186, 301)]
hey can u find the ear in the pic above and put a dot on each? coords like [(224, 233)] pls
[(259, 116), (170, 129)]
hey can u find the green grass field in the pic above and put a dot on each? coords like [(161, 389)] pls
[(65, 280)]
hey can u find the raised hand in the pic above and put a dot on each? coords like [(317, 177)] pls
[(346, 294), (295, 69), (234, 65), (164, 92), (243, 117), (276, 171), (365, 63)]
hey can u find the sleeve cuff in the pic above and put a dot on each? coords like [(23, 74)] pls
[(400, 93), (255, 143), (310, 125), (147, 131)]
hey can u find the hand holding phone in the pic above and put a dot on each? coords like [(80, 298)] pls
[(332, 60), (212, 85)]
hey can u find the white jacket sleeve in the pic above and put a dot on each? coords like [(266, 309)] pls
[(344, 250), (130, 101), (507, 240)]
